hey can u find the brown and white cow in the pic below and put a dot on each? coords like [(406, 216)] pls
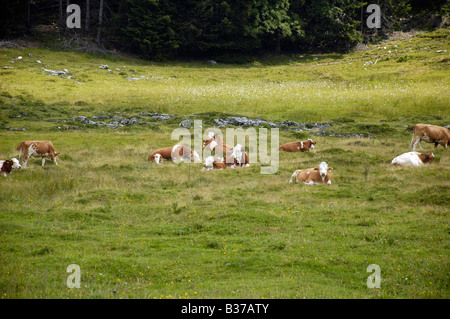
[(7, 166), (413, 159), (430, 134), (38, 149), (175, 153), (312, 176), (240, 157), (298, 146), (212, 162), (215, 144)]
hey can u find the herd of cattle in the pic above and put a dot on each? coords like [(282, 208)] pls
[(237, 156)]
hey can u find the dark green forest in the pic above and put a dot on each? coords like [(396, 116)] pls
[(162, 29)]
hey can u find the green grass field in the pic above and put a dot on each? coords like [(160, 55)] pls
[(139, 230)]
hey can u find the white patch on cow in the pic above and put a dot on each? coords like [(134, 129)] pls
[(157, 158), (32, 150), (408, 159), (209, 163), (323, 170), (238, 153), (211, 135), (426, 138), (294, 176), (16, 164), (312, 145), (310, 183), (301, 145), (175, 154), (329, 182), (212, 145)]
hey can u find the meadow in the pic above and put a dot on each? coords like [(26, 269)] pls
[(141, 230)]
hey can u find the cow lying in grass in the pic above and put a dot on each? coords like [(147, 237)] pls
[(413, 159), (174, 153), (238, 158), (7, 166), (298, 146), (312, 176), (215, 143), (212, 162)]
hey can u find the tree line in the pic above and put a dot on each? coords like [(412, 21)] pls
[(158, 29)]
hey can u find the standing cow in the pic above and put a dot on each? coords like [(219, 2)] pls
[(430, 134), (38, 149)]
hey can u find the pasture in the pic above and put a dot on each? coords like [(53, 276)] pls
[(139, 230)]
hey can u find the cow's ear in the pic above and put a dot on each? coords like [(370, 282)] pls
[(330, 168)]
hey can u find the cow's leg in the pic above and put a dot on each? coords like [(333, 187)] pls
[(43, 161), (54, 159), (420, 146), (416, 142), (294, 177), (25, 161), (412, 140)]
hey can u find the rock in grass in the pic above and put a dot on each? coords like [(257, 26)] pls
[(185, 123)]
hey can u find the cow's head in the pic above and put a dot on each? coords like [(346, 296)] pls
[(323, 169), (312, 143), (210, 144), (157, 158), (16, 164), (238, 153), (430, 158)]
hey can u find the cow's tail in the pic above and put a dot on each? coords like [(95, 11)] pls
[(413, 136), (19, 148), (294, 177)]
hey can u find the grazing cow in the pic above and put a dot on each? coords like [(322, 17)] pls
[(413, 159), (7, 166), (173, 153), (37, 148), (298, 146), (312, 176), (430, 134)]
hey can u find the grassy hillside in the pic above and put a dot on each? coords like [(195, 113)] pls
[(138, 230)]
